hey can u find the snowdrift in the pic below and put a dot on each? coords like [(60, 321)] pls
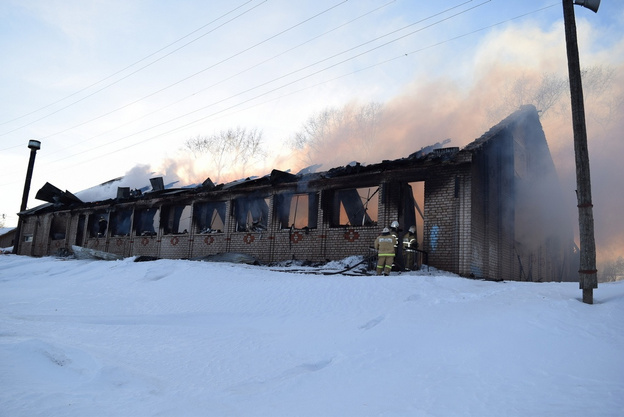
[(183, 338)]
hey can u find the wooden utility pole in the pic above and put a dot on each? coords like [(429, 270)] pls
[(588, 279)]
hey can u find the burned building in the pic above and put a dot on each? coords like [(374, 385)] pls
[(490, 210)]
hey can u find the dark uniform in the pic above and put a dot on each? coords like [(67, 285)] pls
[(398, 255), (409, 249)]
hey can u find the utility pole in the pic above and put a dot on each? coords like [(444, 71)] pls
[(588, 279)]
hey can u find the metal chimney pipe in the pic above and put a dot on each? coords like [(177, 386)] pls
[(34, 146)]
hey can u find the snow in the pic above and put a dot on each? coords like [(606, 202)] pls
[(185, 338)]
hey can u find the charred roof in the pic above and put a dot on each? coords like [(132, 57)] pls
[(423, 159)]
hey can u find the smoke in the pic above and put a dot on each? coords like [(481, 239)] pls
[(136, 178), (431, 110), (512, 67), (185, 169)]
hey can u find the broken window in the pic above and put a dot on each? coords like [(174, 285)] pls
[(145, 221), (175, 219), (251, 213), (209, 217), (414, 215), (58, 227), (297, 210), (120, 222), (98, 224), (355, 207)]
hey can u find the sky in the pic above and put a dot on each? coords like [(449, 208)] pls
[(116, 88), (187, 338)]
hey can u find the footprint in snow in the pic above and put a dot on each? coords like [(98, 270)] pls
[(256, 386), (372, 323), (158, 273)]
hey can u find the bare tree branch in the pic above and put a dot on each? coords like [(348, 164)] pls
[(351, 124), (231, 148)]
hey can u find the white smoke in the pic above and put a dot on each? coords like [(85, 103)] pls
[(137, 178)]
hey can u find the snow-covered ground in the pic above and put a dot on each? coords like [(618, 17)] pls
[(184, 338)]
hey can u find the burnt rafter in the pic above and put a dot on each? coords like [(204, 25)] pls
[(281, 177), (51, 194), (353, 174)]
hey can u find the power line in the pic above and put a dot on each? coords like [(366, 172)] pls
[(401, 56), (125, 68), (313, 86), (130, 74), (220, 82), (203, 70), (300, 69), (273, 80)]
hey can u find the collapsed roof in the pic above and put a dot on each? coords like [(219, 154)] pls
[(58, 199), (424, 158)]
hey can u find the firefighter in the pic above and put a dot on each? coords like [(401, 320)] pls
[(385, 245), (398, 258), (102, 226), (394, 230), (409, 248)]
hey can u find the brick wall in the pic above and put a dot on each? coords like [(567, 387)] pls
[(325, 242), (207, 244), (146, 246), (298, 244), (6, 240), (175, 246), (463, 207), (493, 205), (447, 218), (41, 239), (257, 244), (28, 228), (119, 245)]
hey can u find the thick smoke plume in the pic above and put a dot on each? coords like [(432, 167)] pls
[(430, 111), (533, 71)]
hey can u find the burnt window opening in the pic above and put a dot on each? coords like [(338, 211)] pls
[(98, 224), (414, 211), (120, 222), (80, 229), (58, 227), (355, 207), (251, 213), (145, 221), (175, 219), (209, 217), (299, 211)]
